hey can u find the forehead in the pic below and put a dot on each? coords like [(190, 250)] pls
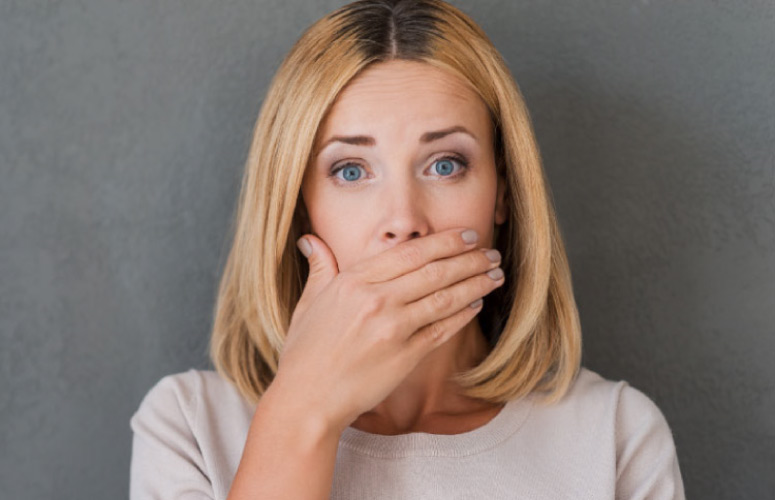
[(405, 94)]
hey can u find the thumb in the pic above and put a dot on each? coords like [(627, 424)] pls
[(322, 263)]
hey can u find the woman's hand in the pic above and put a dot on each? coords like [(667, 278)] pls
[(355, 335)]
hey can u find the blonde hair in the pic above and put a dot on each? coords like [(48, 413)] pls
[(531, 321)]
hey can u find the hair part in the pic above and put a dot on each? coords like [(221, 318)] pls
[(531, 322)]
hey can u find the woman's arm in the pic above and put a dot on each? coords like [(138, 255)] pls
[(353, 337), (290, 451)]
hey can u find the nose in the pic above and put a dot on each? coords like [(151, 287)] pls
[(403, 213)]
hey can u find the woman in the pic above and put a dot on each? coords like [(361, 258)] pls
[(395, 149)]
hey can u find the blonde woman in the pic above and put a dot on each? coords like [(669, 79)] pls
[(396, 317)]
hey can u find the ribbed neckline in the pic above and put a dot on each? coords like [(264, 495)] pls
[(505, 423)]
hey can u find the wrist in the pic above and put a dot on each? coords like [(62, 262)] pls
[(301, 415)]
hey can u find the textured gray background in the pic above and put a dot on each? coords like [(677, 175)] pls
[(123, 131)]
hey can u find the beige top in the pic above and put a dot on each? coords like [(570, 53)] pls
[(603, 440)]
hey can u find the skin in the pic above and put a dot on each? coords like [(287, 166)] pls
[(398, 189)]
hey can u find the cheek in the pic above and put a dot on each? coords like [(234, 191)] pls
[(474, 195), (340, 235), (332, 218), (474, 209)]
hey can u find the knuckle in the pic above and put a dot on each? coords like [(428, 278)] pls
[(441, 299), (372, 303), (411, 254), (396, 325), (384, 335), (434, 272), (380, 336), (436, 330)]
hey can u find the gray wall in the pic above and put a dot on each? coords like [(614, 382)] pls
[(123, 131)]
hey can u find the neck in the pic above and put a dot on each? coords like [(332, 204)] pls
[(426, 393)]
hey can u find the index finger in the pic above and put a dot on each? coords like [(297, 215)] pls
[(414, 254)]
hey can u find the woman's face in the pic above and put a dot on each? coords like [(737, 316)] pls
[(393, 161)]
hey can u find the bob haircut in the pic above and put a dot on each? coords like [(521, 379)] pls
[(531, 322)]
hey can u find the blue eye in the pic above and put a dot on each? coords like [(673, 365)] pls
[(351, 172), (447, 166), (443, 166)]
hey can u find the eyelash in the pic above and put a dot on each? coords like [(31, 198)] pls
[(462, 160)]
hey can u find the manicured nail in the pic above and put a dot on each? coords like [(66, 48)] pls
[(493, 254), (304, 246), (496, 273), (469, 236), (476, 303)]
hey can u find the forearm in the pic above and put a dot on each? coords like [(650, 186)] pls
[(289, 454)]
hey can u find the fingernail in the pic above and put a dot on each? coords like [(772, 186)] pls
[(304, 246), (493, 254), (496, 273), (476, 303), (469, 236)]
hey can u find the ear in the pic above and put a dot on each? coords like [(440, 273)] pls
[(501, 202)]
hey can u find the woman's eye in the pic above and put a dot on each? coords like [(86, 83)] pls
[(445, 165), (350, 172)]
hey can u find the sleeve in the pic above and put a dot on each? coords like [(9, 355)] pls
[(646, 459), (166, 461)]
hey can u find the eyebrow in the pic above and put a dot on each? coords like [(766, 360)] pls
[(367, 140)]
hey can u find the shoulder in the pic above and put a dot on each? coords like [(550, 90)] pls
[(181, 395), (591, 390), (636, 432), (607, 430), (605, 410), (633, 407), (174, 442)]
